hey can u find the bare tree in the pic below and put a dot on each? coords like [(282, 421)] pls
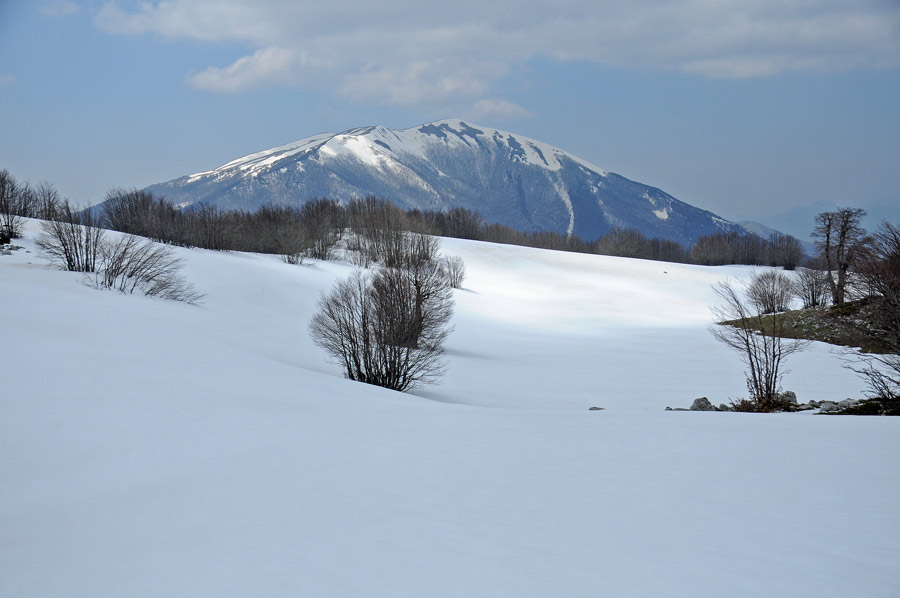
[(10, 221), (378, 228), (811, 286), (712, 250), (386, 329), (324, 221), (72, 241), (47, 201), (759, 340), (624, 242), (455, 269), (785, 251), (840, 240), (880, 271)]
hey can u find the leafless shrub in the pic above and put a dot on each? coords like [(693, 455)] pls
[(784, 251), (131, 264), (411, 249), (811, 286), (712, 250), (771, 292), (739, 323), (624, 242), (294, 259), (455, 269), (11, 222), (72, 241), (387, 329)]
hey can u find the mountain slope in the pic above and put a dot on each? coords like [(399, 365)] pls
[(508, 179)]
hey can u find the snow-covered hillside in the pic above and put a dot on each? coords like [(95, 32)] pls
[(508, 179), (153, 448)]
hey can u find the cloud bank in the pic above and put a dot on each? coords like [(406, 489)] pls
[(399, 52)]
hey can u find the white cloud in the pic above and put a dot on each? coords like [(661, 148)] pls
[(499, 109), (269, 66), (7, 80), (397, 52), (59, 8)]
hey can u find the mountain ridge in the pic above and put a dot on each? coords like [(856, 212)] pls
[(509, 179)]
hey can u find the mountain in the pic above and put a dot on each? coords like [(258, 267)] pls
[(508, 179)]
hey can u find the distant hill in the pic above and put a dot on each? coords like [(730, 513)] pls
[(508, 179)]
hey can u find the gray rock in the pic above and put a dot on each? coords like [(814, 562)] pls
[(788, 396), (814, 404), (847, 403), (596, 409), (828, 407), (723, 407), (803, 407), (702, 404)]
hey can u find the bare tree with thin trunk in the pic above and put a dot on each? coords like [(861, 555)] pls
[(759, 340)]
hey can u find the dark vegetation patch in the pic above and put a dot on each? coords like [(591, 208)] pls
[(873, 406), (847, 325)]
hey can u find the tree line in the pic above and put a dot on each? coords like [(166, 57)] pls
[(314, 228)]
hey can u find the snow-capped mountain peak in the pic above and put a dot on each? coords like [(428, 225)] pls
[(509, 179)]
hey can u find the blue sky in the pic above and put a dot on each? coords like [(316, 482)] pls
[(747, 108)]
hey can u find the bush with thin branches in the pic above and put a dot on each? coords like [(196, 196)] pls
[(759, 340), (73, 240), (387, 328), (811, 286), (455, 269), (131, 264), (771, 292)]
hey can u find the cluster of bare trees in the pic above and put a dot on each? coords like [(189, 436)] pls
[(23, 200), (624, 242), (388, 327), (852, 266), (73, 241), (865, 269), (747, 249), (311, 230)]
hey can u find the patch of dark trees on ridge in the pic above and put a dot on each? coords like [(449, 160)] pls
[(315, 227)]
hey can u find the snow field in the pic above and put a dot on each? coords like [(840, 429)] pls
[(154, 448)]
